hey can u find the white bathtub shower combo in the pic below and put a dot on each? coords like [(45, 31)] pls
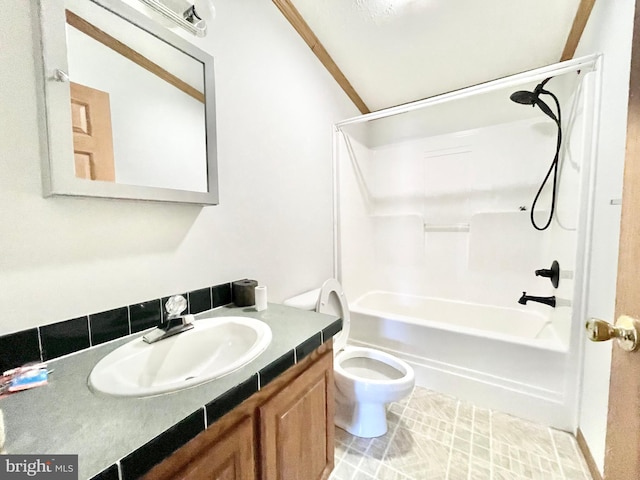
[(434, 244)]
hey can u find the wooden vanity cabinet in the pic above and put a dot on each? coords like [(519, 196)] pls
[(229, 459), (296, 426), (283, 432)]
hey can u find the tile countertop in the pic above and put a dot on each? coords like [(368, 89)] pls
[(66, 417)]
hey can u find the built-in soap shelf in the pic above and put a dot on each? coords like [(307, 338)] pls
[(395, 214), (446, 227), (428, 227), (463, 227)]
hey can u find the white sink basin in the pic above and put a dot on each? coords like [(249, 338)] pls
[(214, 347)]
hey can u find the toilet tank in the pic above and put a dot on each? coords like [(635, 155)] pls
[(304, 301)]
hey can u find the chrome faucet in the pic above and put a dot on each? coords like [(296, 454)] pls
[(174, 323), (551, 301)]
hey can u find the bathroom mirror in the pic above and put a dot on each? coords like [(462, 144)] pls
[(129, 107)]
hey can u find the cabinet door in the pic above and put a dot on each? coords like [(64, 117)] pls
[(230, 457), (296, 426)]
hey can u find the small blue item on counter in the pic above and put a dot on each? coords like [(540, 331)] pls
[(23, 378)]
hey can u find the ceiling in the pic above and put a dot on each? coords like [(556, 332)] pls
[(397, 51)]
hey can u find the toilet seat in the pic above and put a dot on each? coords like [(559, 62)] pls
[(394, 370), (332, 290), (393, 373)]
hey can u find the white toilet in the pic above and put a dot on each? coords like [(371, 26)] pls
[(366, 379)]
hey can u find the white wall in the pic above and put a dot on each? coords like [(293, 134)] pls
[(609, 31), (64, 257)]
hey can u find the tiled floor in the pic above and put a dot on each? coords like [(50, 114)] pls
[(436, 437)]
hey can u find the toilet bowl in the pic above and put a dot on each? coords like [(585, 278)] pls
[(366, 379)]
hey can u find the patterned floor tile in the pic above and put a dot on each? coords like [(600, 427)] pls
[(369, 465), (574, 474), (436, 437), (360, 444), (343, 437), (439, 406), (521, 434), (568, 455), (458, 465), (379, 446), (428, 458), (387, 473), (344, 471)]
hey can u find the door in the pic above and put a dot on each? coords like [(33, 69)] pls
[(296, 427), (92, 136), (622, 457)]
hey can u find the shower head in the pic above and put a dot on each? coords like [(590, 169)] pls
[(525, 97)]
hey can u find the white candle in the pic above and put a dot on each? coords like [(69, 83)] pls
[(261, 298)]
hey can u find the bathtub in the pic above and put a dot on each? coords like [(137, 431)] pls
[(507, 359)]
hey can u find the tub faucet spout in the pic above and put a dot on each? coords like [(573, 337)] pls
[(551, 301)]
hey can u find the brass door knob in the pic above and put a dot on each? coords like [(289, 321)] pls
[(625, 331)]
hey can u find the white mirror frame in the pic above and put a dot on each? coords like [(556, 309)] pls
[(58, 175)]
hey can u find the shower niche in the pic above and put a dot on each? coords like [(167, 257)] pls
[(435, 243)]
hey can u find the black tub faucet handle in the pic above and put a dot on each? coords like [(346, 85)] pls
[(552, 273)]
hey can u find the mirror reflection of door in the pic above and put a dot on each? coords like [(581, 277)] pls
[(92, 135), (156, 93)]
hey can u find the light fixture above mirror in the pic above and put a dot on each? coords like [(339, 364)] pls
[(192, 15)]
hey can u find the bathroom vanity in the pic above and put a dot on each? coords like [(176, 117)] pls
[(284, 431), (270, 419)]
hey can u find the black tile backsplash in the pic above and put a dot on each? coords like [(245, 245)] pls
[(308, 346), (64, 337), (19, 348), (109, 325), (231, 399), (277, 367), (145, 315), (110, 473), (153, 452), (221, 295), (200, 300), (332, 329)]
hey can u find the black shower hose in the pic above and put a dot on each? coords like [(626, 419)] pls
[(553, 168)]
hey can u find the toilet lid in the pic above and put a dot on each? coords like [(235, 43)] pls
[(333, 302)]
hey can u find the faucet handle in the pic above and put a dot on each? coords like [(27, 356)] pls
[(175, 305), (552, 273)]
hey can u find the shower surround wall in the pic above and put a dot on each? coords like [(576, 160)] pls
[(445, 216), (441, 222)]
